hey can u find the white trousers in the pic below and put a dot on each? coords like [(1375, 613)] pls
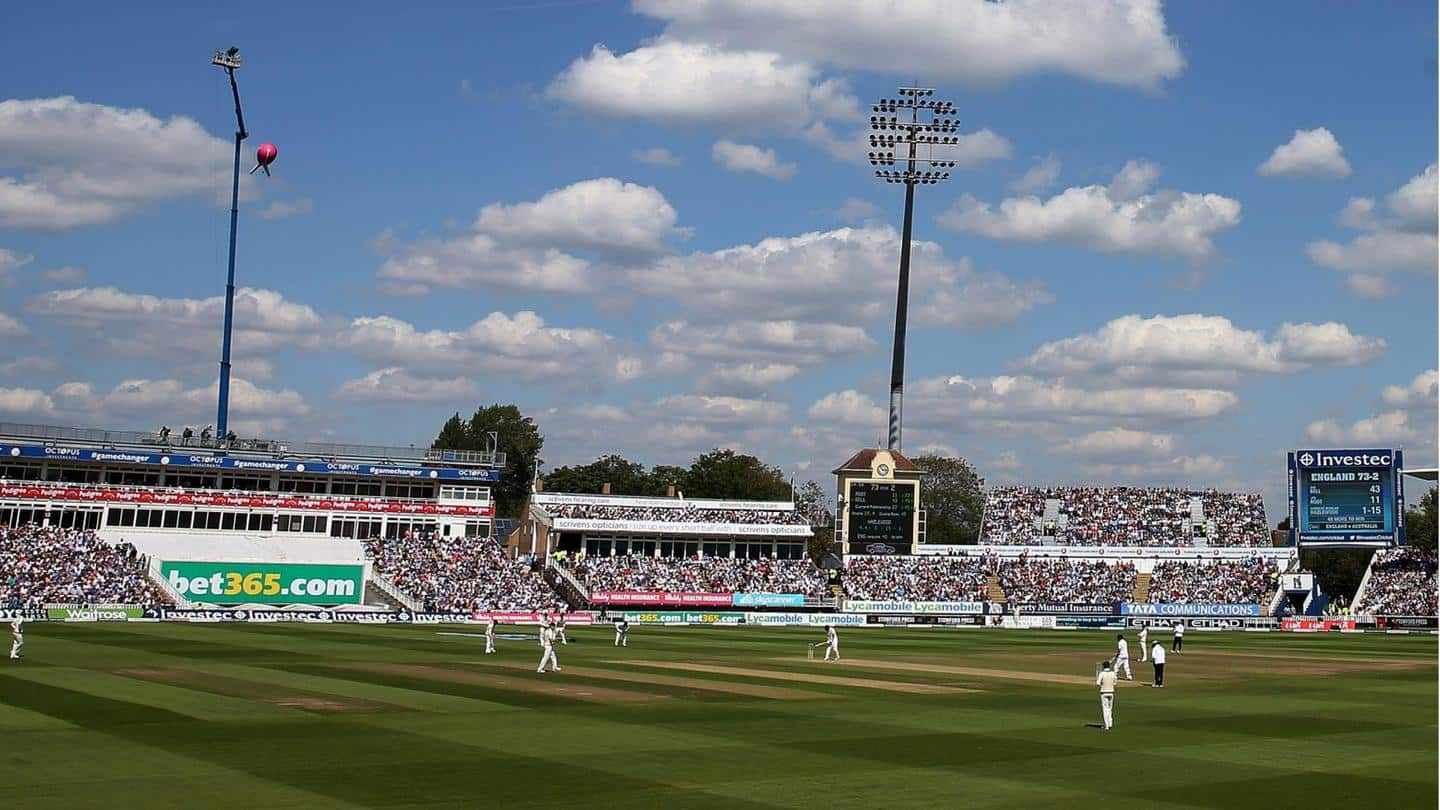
[(1123, 664), (622, 638), (489, 644), (15, 647), (1107, 708), (1144, 651), (561, 635), (832, 648), (549, 657)]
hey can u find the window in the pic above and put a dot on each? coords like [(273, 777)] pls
[(172, 518), (185, 518)]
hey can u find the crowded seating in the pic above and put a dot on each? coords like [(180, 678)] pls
[(1122, 516), (1239, 518), (459, 574), (1011, 514), (1241, 583), (41, 565), (631, 572), (1027, 581), (918, 579), (680, 513), (1402, 583)]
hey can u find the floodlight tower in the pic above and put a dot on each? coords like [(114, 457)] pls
[(928, 125), (230, 61)]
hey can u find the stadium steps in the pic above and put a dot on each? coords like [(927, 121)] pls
[(997, 593), (564, 589), (1141, 594), (376, 596)]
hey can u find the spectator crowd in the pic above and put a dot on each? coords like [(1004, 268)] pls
[(917, 579), (680, 513), (459, 574), (1121, 516), (55, 565), (1240, 583), (1402, 583), (1028, 582), (632, 572)]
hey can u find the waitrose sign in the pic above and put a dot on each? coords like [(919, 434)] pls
[(228, 583)]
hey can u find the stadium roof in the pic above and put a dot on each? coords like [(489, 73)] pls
[(1423, 473)]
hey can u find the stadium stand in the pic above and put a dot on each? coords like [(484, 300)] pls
[(1027, 581), (54, 565), (1122, 516), (447, 574), (917, 578), (631, 572), (688, 512), (1401, 583), (1185, 582)]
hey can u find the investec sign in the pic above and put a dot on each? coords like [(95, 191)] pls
[(1345, 458)]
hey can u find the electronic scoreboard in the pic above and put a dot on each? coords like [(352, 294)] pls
[(881, 517), (1346, 498)]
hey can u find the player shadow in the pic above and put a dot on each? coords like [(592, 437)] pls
[(1095, 725)]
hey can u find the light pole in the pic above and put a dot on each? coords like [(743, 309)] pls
[(230, 61), (888, 131)]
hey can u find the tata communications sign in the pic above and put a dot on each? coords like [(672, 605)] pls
[(1346, 498)]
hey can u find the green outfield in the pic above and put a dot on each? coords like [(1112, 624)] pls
[(313, 716)]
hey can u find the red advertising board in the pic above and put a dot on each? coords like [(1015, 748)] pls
[(160, 497), (1318, 623), (516, 617), (662, 598)]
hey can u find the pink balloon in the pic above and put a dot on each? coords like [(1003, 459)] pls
[(266, 154)]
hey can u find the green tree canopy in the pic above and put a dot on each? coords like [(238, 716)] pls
[(624, 476), (727, 474), (953, 497), (516, 436), (1420, 523)]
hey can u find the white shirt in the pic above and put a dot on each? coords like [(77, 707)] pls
[(1144, 634), (490, 628), (1106, 681), (1180, 630), (17, 627), (1124, 648), (830, 635), (1157, 653), (547, 637)]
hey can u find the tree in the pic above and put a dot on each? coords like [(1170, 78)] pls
[(953, 498), (1420, 523), (517, 437), (625, 477), (664, 476), (812, 501), (727, 474), (1338, 571)]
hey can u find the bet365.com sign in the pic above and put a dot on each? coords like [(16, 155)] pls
[(224, 583)]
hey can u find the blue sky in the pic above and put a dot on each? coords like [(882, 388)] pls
[(1181, 240)]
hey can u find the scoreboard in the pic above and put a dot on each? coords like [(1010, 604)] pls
[(1346, 498), (881, 517)]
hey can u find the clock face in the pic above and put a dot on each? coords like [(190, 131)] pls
[(883, 470)]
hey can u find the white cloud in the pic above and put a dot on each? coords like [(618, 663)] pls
[(1041, 177), (1121, 42), (477, 261), (850, 408), (971, 149), (1016, 404), (140, 325), (281, 210), (1410, 423), (788, 342), (64, 275), (1133, 181), (253, 410), (845, 275), (1119, 444), (519, 346), (604, 216), (656, 156), (11, 328), (1311, 153), (1165, 223), (83, 164), (720, 410), (1196, 348), (746, 378), (396, 385), (10, 264), (744, 157), (677, 82), (1402, 243)]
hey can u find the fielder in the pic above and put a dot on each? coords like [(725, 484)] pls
[(622, 633), (17, 636), (1106, 681), (1144, 644), (547, 644), (1179, 640), (832, 643), (489, 635), (1122, 656), (560, 629)]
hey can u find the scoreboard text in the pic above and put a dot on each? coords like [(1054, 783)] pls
[(882, 517), (1346, 497)]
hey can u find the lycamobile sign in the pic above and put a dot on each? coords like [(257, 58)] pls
[(266, 583)]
